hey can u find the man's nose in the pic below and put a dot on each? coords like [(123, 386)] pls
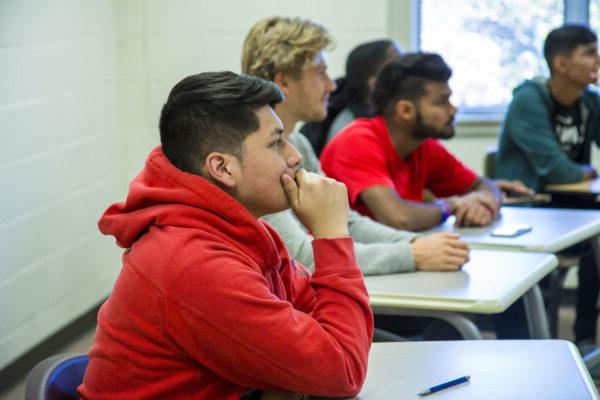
[(331, 85), (453, 109), (292, 155)]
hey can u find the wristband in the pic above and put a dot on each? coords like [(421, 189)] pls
[(445, 207)]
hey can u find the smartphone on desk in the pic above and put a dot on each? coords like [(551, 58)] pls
[(510, 231)]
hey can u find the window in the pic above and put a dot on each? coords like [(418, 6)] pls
[(595, 15), (491, 46)]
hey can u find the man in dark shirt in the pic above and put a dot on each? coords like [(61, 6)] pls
[(550, 124), (547, 136)]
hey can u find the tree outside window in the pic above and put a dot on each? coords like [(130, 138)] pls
[(595, 15), (491, 45)]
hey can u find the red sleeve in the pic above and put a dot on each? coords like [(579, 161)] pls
[(356, 157), (260, 341), (447, 176)]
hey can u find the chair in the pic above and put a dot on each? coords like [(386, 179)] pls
[(381, 335), (56, 377), (489, 162)]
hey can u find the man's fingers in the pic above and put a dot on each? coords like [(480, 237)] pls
[(459, 254), (450, 235), (291, 189), (458, 244), (452, 264), (459, 215), (300, 177), (489, 202), (484, 217), (521, 188), (478, 216), (453, 239), (469, 216)]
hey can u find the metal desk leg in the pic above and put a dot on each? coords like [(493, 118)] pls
[(467, 329), (536, 314), (592, 359), (595, 241)]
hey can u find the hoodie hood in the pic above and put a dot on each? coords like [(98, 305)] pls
[(590, 98), (164, 196)]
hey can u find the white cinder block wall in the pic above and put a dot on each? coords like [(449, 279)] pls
[(60, 163), (81, 86)]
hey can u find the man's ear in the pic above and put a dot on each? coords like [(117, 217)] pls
[(560, 64), (222, 167), (405, 110), (283, 81)]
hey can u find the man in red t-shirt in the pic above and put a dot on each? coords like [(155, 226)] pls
[(394, 168)]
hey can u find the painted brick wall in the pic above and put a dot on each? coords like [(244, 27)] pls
[(60, 164)]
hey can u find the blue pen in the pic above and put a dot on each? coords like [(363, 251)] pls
[(445, 385)]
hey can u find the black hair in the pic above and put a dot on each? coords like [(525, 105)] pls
[(352, 92), (212, 111), (406, 78), (563, 40), (363, 62)]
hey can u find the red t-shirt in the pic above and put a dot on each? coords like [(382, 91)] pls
[(362, 156)]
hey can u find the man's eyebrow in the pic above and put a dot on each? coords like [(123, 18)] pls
[(277, 131)]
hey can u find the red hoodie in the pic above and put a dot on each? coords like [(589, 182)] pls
[(208, 302)]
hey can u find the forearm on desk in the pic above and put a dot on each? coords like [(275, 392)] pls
[(367, 230), (384, 258)]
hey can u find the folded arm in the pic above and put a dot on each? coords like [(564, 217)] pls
[(314, 341)]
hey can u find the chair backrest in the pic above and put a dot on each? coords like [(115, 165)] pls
[(489, 162), (56, 377)]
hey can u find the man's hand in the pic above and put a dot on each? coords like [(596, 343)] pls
[(475, 209), (588, 172), (515, 187), (320, 203), (440, 252)]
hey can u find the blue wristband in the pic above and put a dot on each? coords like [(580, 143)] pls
[(445, 207)]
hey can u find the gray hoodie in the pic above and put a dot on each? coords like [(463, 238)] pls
[(379, 249)]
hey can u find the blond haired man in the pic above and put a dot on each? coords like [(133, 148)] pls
[(292, 53)]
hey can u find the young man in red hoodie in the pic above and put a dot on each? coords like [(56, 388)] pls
[(209, 304)]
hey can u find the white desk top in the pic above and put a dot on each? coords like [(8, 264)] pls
[(499, 369), (553, 229), (490, 282)]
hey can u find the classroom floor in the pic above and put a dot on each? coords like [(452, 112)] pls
[(12, 379)]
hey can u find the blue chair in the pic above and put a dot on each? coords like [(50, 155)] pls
[(56, 377)]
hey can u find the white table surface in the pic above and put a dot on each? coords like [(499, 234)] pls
[(553, 229), (490, 282), (499, 369)]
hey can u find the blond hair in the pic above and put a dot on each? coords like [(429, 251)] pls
[(279, 44)]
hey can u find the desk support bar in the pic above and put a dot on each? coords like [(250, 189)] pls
[(467, 329), (595, 242), (537, 320)]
